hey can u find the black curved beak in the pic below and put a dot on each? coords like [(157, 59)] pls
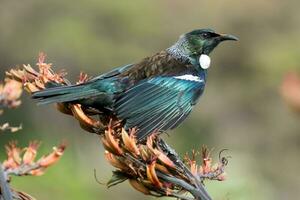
[(224, 37)]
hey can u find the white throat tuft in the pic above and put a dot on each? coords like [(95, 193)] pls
[(204, 61)]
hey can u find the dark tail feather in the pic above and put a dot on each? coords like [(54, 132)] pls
[(64, 94)]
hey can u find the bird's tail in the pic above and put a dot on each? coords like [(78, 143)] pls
[(65, 94)]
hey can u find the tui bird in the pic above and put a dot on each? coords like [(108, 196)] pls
[(155, 94)]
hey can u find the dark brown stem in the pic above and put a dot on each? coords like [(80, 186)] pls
[(200, 192), (22, 170), (5, 189)]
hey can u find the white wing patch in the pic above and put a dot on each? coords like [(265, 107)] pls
[(189, 77)]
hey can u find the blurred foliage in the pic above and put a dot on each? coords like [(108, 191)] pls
[(241, 109)]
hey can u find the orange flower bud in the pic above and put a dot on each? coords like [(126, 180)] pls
[(163, 158), (84, 120), (30, 152), (206, 160), (112, 142), (83, 77), (151, 175), (206, 165), (53, 157), (39, 84), (160, 155), (106, 145), (10, 163), (16, 74), (149, 142), (30, 70), (42, 58), (13, 156), (194, 167), (130, 141), (111, 158), (37, 172)]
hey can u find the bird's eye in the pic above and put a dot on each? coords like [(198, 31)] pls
[(205, 35)]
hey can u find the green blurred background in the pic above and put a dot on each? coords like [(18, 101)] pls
[(241, 109)]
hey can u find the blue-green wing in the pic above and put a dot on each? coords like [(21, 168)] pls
[(115, 72), (158, 104)]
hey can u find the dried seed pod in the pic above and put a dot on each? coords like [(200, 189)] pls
[(30, 70), (64, 108), (145, 153), (139, 186), (163, 158), (160, 155), (114, 161), (151, 175), (162, 168), (106, 145), (30, 88)]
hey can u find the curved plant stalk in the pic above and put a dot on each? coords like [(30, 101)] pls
[(21, 162), (151, 167), (5, 190)]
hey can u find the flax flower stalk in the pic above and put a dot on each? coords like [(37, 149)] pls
[(152, 166)]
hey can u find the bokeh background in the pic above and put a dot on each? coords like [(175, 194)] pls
[(241, 109)]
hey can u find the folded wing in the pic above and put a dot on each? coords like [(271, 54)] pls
[(158, 104)]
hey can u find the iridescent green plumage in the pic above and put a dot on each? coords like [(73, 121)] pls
[(155, 94)]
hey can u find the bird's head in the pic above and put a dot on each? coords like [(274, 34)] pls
[(199, 42), (203, 41)]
